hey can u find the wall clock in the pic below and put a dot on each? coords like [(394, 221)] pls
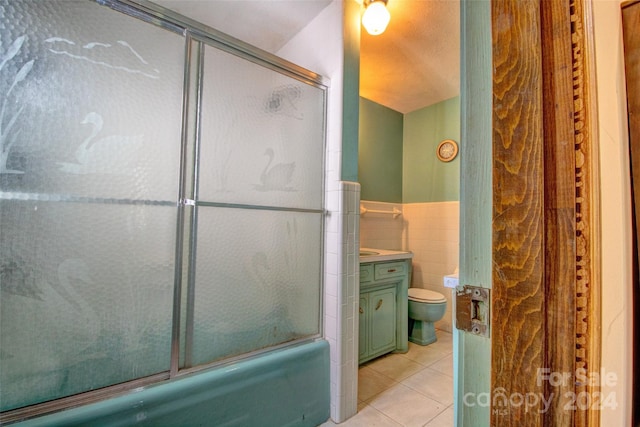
[(447, 150)]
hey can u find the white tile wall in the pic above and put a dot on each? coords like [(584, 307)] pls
[(433, 235), (430, 231), (341, 289), (382, 230)]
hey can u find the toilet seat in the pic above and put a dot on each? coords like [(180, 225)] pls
[(426, 296)]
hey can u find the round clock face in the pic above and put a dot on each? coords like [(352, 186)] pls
[(447, 150)]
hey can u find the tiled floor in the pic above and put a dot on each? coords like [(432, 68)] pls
[(412, 389)]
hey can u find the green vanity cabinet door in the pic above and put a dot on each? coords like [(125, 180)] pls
[(383, 317), (378, 311), (382, 320), (363, 334)]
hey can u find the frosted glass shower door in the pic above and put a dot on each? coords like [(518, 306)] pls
[(259, 209), (90, 131)]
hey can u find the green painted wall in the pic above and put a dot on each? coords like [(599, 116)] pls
[(397, 160), (425, 178), (380, 153), (351, 90)]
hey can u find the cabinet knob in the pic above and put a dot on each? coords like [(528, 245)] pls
[(379, 304), (361, 310)]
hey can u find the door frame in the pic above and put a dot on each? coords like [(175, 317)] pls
[(631, 43)]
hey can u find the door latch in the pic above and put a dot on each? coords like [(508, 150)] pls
[(472, 309)]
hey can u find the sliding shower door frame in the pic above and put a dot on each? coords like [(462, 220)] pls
[(170, 20), (196, 36)]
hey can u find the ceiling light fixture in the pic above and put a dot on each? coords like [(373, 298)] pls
[(376, 16)]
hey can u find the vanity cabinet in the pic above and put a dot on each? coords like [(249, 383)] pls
[(383, 308), (377, 322)]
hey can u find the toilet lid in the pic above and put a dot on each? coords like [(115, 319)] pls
[(419, 294)]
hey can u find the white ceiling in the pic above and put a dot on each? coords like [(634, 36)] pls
[(413, 64), (267, 24), (416, 61)]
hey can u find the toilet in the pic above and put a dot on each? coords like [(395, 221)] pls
[(425, 308)]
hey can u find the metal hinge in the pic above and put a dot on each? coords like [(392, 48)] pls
[(472, 309)]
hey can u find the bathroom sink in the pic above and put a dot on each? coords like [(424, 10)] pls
[(369, 253)]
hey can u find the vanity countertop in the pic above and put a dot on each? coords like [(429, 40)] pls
[(376, 255)]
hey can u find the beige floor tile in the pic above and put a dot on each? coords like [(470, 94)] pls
[(442, 347), (444, 336), (400, 390), (445, 419), (366, 417), (371, 382), (433, 384), (395, 366), (406, 406), (444, 365), (426, 355)]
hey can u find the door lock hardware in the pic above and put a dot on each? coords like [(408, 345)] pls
[(473, 309)]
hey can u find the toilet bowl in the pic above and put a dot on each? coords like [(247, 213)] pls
[(425, 308)]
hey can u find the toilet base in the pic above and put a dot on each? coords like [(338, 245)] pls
[(421, 332)]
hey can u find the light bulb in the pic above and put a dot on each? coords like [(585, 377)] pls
[(376, 18)]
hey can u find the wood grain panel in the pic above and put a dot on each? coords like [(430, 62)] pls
[(560, 208), (587, 339), (546, 283), (518, 258), (631, 24)]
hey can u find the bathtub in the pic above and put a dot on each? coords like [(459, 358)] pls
[(286, 387)]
